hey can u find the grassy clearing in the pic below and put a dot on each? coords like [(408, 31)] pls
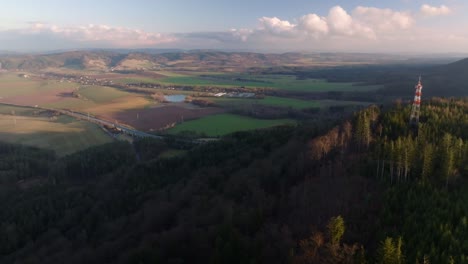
[(270, 101), (217, 125), (64, 135)]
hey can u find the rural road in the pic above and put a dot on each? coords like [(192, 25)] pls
[(103, 122)]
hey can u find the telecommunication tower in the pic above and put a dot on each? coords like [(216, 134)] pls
[(414, 119)]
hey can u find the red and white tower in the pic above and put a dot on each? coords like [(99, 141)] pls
[(414, 119)]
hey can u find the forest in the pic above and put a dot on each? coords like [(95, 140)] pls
[(366, 188)]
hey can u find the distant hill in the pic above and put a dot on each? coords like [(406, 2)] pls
[(189, 60), (439, 80), (450, 79)]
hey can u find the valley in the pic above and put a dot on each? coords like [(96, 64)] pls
[(131, 89)]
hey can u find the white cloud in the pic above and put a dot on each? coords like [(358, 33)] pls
[(276, 26), (340, 21), (241, 34), (428, 10), (360, 29), (313, 24), (383, 20), (366, 22), (114, 36)]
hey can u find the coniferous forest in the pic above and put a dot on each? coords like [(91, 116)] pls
[(369, 188)]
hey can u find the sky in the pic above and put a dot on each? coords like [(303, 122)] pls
[(390, 26)]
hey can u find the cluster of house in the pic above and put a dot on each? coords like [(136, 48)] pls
[(84, 80), (235, 95)]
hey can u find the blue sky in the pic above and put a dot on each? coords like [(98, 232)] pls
[(305, 25)]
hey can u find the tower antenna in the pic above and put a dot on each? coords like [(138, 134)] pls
[(415, 109)]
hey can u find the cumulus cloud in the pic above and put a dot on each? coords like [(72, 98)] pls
[(313, 24), (114, 36), (340, 21), (383, 19), (428, 10), (364, 22), (276, 26), (362, 28)]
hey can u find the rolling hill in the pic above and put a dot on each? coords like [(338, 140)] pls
[(189, 60)]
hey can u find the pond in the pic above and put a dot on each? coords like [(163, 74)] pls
[(175, 98)]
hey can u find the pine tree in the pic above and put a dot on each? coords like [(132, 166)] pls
[(447, 158), (390, 251), (427, 166), (336, 229), (363, 132)]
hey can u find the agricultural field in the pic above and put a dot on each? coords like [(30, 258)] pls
[(143, 113), (222, 124), (30, 91), (282, 82), (101, 94), (160, 117), (63, 134), (270, 101)]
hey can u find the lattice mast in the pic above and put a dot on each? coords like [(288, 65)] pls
[(414, 119)]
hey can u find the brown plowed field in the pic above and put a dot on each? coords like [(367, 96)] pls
[(161, 117)]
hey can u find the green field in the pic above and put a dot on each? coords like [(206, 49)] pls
[(283, 82), (222, 124), (269, 100), (64, 135)]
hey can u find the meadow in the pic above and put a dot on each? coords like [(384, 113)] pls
[(222, 124)]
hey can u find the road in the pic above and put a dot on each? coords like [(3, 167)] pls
[(92, 119), (125, 129)]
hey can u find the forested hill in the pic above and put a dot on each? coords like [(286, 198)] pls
[(364, 190)]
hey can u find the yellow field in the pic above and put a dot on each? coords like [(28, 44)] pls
[(64, 135), (118, 105), (11, 84)]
